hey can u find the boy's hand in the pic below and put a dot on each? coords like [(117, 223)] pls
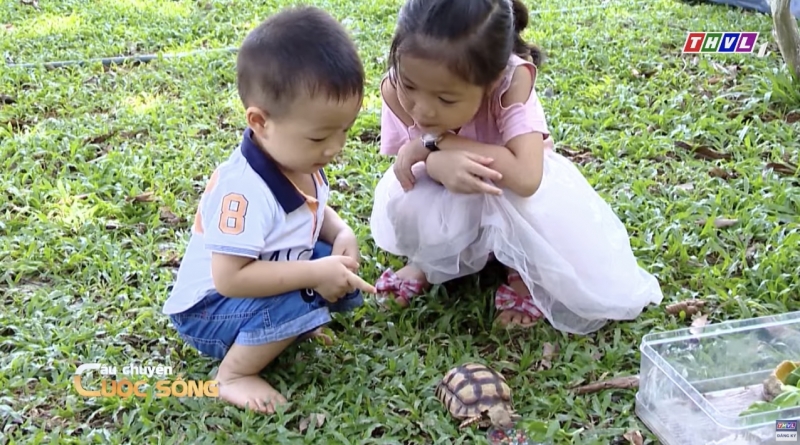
[(463, 172), (336, 278), (346, 244), (409, 154)]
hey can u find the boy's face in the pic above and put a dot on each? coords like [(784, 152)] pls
[(309, 135)]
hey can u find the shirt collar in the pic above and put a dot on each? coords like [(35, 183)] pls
[(289, 198)]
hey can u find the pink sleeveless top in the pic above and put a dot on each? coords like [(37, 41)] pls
[(493, 124)]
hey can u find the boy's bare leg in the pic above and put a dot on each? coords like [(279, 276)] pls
[(239, 381)]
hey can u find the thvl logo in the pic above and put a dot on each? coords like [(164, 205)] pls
[(786, 430), (723, 42)]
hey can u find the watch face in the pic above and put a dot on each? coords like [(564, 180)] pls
[(429, 141)]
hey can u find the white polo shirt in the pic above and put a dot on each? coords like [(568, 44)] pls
[(249, 208)]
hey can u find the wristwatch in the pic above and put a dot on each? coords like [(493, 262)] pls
[(430, 141)]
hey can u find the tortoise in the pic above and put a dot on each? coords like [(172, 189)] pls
[(478, 394)]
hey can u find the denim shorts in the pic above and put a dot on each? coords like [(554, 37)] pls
[(213, 324)]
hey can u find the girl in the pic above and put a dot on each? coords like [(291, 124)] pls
[(459, 98)]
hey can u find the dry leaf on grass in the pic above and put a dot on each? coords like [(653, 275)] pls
[(792, 117), (100, 139), (168, 217), (319, 419), (615, 383), (750, 253), (717, 172), (719, 223), (648, 73), (698, 323), (724, 222), (782, 169), (579, 156), (19, 210), (144, 197), (703, 152), (172, 260), (634, 437), (690, 307), (548, 354)]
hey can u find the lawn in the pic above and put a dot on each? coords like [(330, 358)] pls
[(103, 168)]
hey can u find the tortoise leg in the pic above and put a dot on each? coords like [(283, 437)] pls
[(469, 422)]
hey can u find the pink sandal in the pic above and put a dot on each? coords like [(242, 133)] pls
[(507, 299), (403, 290)]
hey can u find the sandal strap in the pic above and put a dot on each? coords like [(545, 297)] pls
[(507, 299), (389, 282)]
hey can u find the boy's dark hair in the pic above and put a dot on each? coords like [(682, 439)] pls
[(474, 38), (297, 51)]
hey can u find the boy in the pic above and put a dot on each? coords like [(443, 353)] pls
[(268, 259)]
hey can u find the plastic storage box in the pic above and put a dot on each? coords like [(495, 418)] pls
[(695, 382)]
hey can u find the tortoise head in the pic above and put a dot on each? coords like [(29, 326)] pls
[(501, 417)]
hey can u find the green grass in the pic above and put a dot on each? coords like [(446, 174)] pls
[(84, 269)]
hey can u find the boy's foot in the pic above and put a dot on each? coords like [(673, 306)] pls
[(250, 392), (238, 377), (516, 304), (406, 284)]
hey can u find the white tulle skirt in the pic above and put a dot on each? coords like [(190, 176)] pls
[(567, 244)]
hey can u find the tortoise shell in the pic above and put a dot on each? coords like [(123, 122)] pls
[(469, 390)]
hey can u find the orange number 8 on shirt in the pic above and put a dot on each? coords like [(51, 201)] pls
[(231, 218)]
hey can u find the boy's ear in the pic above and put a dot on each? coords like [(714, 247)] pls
[(257, 119)]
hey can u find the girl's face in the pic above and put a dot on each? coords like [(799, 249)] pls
[(434, 97)]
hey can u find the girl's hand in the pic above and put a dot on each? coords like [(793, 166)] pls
[(463, 172), (409, 154)]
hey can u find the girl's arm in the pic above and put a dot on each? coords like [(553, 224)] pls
[(395, 122), (520, 160)]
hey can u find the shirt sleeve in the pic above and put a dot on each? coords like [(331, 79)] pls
[(236, 218), (521, 118)]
